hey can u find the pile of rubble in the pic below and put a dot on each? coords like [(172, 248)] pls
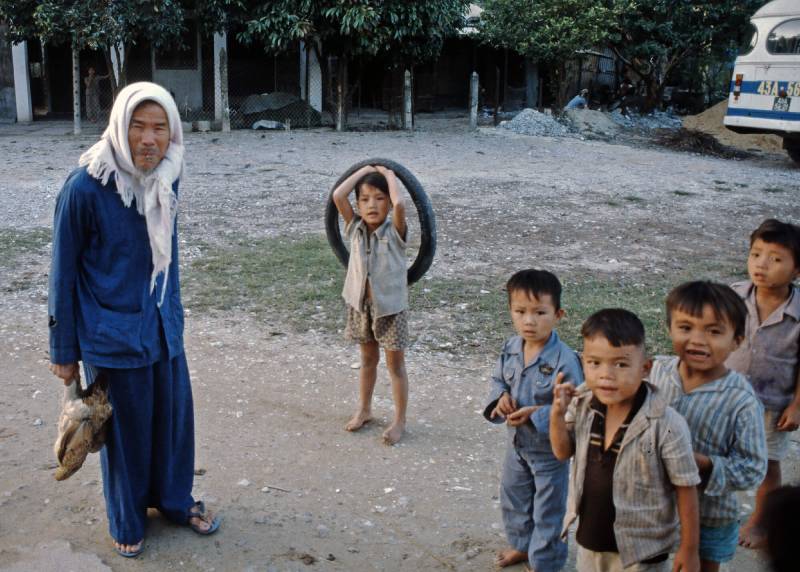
[(531, 122), (654, 120)]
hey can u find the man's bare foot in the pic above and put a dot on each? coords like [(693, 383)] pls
[(394, 433), (128, 550), (358, 421), (509, 557), (752, 536)]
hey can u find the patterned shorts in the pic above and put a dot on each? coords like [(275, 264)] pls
[(391, 332)]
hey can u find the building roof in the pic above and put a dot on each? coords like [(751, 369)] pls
[(779, 8)]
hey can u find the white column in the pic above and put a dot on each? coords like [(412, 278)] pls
[(22, 82), (310, 75), (76, 90), (221, 110)]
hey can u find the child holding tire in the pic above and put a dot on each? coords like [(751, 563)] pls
[(376, 287)]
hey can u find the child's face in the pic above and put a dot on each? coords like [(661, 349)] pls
[(534, 318), (771, 265), (614, 374), (704, 342), (373, 205)]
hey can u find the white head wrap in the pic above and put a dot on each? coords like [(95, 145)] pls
[(152, 190)]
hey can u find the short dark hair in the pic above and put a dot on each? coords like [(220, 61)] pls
[(535, 283), (692, 297), (620, 327), (373, 179), (784, 233)]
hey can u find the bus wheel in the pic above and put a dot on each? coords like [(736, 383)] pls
[(792, 147)]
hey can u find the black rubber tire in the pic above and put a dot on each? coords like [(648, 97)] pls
[(427, 220), (793, 149)]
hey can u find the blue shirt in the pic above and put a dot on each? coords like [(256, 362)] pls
[(532, 384), (577, 102), (101, 309)]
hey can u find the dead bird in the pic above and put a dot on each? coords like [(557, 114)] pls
[(82, 424)]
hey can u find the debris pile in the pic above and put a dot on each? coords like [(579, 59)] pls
[(711, 122), (697, 142), (592, 124), (648, 122), (531, 122)]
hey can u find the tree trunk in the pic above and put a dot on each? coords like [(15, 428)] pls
[(112, 76)]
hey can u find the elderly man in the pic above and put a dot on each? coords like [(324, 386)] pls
[(115, 305)]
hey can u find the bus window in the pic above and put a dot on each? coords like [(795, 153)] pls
[(785, 38), (749, 40)]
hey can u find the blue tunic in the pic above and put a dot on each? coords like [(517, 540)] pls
[(103, 313), (100, 304)]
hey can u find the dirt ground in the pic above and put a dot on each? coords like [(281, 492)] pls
[(274, 384)]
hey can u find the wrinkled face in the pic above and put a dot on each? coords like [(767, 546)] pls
[(614, 374), (533, 318), (771, 265), (148, 135), (704, 342), (373, 205)]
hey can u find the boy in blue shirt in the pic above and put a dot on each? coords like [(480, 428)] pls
[(533, 488)]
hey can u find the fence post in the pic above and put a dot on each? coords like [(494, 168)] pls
[(221, 109), (408, 118), (473, 101), (76, 89)]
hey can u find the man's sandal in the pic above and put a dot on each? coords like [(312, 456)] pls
[(129, 554), (198, 510)]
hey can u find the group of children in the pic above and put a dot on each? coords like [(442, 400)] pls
[(659, 447)]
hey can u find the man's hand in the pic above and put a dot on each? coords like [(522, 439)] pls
[(66, 372), (521, 415), (562, 395), (506, 405), (790, 418)]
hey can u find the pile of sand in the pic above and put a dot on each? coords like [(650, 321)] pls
[(710, 121)]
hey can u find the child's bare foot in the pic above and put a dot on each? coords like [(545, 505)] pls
[(358, 421), (509, 557), (752, 536), (393, 434)]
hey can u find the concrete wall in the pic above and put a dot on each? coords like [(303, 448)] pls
[(8, 103), (185, 84)]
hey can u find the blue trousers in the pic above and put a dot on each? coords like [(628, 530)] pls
[(533, 500), (148, 459)]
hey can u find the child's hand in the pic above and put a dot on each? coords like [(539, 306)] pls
[(383, 171), (790, 418), (521, 415), (686, 560), (506, 405), (563, 392)]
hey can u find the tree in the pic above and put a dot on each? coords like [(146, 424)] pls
[(413, 31), (112, 27), (547, 31), (653, 37)]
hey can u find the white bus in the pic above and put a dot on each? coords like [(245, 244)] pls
[(765, 88)]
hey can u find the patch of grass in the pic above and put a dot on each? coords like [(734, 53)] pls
[(633, 199), (774, 190), (17, 243), (683, 193), (298, 282)]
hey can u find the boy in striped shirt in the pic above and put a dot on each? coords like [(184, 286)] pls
[(634, 476), (706, 322)]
